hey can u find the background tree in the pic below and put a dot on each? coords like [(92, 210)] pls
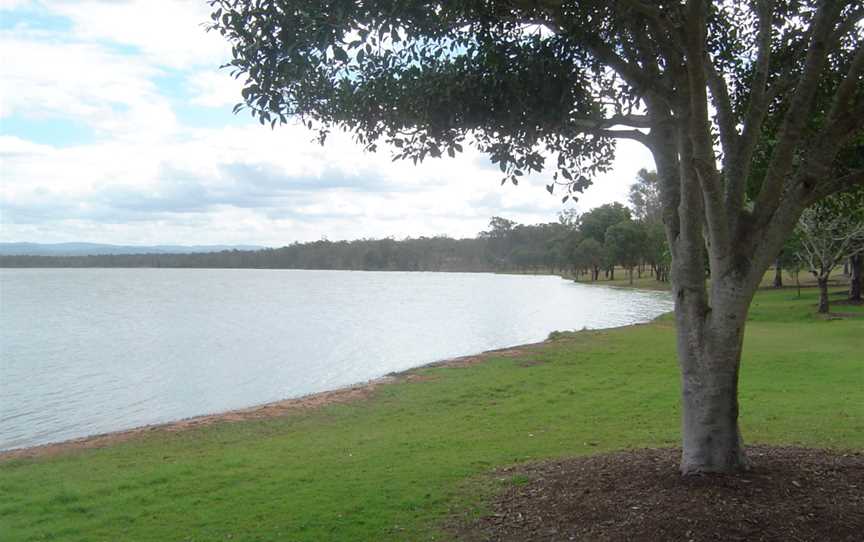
[(855, 274), (830, 232), (590, 255), (648, 209), (657, 252), (625, 242), (526, 81), (594, 223), (645, 197), (789, 261)]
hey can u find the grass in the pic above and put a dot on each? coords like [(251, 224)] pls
[(394, 466)]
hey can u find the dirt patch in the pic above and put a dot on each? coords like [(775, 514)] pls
[(269, 410), (790, 494), (467, 361)]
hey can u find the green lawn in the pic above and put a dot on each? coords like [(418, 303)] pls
[(394, 466)]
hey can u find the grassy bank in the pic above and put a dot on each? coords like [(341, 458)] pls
[(392, 466)]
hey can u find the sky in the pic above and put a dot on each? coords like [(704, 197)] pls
[(116, 127)]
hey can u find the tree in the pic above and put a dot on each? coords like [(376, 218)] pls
[(595, 222), (657, 252), (830, 232), (590, 255), (648, 209), (625, 242), (645, 197), (499, 238), (700, 83), (855, 264)]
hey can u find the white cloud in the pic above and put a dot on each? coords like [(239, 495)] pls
[(168, 32), (214, 88), (112, 93), (13, 4), (148, 178)]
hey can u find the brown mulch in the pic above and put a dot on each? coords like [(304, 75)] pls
[(790, 494)]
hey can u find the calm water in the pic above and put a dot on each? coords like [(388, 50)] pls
[(86, 351)]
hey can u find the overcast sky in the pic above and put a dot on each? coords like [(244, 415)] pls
[(116, 127)]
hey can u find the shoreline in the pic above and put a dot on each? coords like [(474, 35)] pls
[(274, 409)]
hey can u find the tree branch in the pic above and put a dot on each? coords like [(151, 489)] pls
[(702, 149), (725, 116), (635, 135), (835, 185), (843, 99), (757, 106), (848, 24), (633, 121), (791, 130), (632, 74)]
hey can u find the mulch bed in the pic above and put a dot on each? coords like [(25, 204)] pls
[(790, 494)]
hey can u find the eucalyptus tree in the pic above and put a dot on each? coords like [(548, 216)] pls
[(529, 82)]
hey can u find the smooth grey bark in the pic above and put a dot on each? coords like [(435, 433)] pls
[(709, 328)]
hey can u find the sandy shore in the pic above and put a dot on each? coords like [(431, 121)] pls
[(268, 410)]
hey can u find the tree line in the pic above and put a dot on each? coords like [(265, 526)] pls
[(585, 245), (829, 234)]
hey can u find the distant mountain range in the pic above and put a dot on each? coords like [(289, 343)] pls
[(87, 249)]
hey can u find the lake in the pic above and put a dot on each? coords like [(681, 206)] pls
[(88, 351)]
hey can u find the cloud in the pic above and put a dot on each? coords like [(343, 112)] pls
[(113, 94), (12, 4), (167, 163), (215, 89), (168, 33)]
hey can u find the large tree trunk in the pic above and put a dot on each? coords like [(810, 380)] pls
[(855, 278), (709, 352), (823, 294)]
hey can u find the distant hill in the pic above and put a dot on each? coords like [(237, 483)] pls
[(94, 249)]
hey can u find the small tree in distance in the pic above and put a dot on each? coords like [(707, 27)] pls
[(829, 233)]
